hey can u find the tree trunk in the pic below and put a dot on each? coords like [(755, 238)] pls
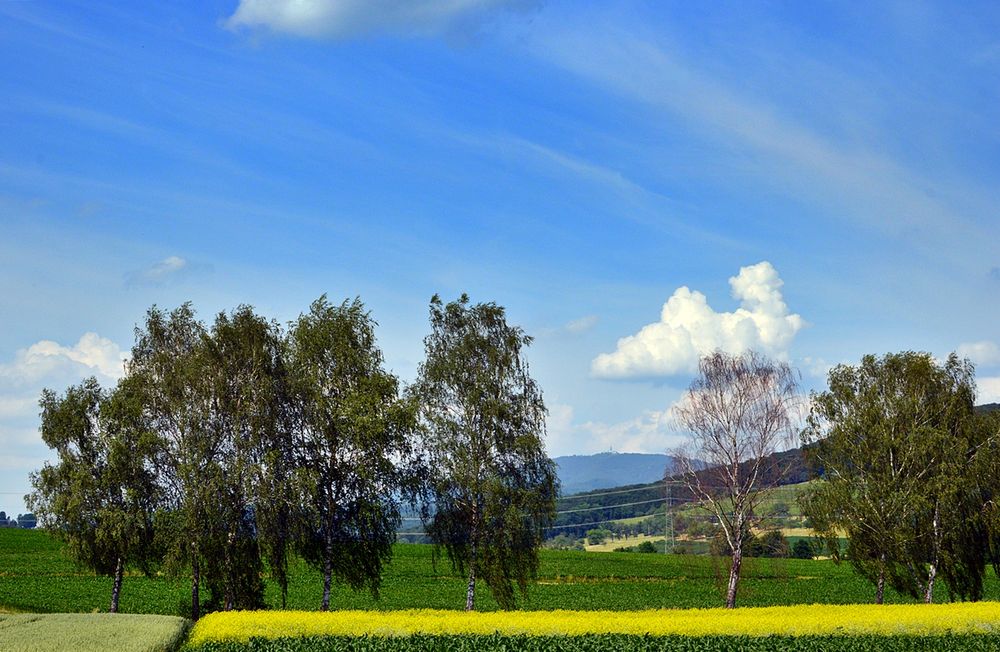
[(932, 571), (929, 593), (327, 575), (734, 574), (195, 582), (116, 588), (880, 587), (470, 592)]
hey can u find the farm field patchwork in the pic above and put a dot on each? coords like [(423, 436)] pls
[(609, 546)]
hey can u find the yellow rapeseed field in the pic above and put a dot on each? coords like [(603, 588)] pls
[(800, 620)]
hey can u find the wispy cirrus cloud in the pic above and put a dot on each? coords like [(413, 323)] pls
[(572, 327), (343, 19), (856, 180), (170, 269)]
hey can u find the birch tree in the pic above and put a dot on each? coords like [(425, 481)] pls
[(101, 494), (900, 452), (492, 486), (166, 359), (352, 442), (738, 412)]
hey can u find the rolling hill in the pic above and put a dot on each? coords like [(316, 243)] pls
[(579, 473)]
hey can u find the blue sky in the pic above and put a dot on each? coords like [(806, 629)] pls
[(817, 180)]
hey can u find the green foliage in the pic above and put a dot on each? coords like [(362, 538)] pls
[(612, 643), (803, 550), (769, 544), (907, 471), (492, 486), (598, 536), (101, 494), (351, 446), (563, 542), (215, 399)]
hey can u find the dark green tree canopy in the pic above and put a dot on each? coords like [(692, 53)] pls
[(895, 439), (215, 398), (492, 485), (101, 494), (353, 444)]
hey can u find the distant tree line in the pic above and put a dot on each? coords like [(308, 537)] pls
[(26, 521), (229, 447)]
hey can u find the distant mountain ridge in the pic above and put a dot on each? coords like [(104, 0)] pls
[(579, 473), (586, 473)]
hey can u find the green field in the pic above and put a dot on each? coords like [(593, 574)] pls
[(87, 632), (37, 577)]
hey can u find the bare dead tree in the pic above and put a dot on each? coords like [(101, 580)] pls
[(738, 412)]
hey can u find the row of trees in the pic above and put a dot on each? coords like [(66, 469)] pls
[(228, 447), (909, 471)]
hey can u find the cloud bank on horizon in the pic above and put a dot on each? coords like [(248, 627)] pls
[(689, 328), (342, 19)]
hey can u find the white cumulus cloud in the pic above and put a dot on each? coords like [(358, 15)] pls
[(43, 364), (989, 390), (91, 355), (338, 19), (689, 328), (985, 353)]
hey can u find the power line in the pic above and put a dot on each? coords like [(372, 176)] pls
[(583, 496), (572, 525), (594, 509), (582, 509)]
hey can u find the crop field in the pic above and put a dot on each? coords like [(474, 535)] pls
[(967, 626), (91, 632), (612, 643), (35, 576)]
